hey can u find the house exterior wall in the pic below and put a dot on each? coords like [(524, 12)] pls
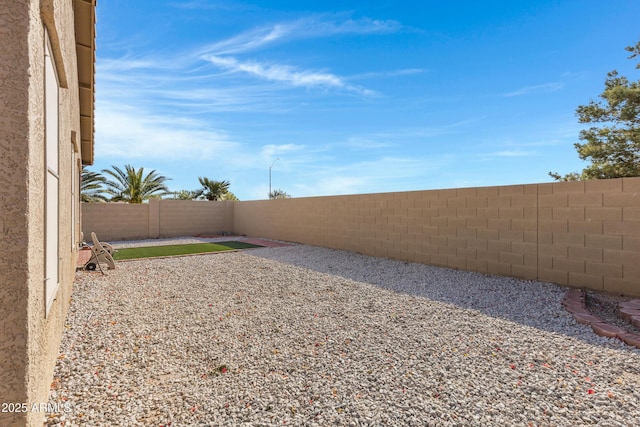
[(14, 160), (29, 336)]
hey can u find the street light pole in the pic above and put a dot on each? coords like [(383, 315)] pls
[(274, 162)]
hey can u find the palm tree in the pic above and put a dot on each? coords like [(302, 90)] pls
[(184, 195), (132, 187), (212, 190), (229, 196), (91, 186)]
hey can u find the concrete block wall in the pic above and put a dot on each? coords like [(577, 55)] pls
[(491, 230), (115, 221), (158, 218), (581, 234), (187, 218), (589, 234)]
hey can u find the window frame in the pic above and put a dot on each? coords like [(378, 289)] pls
[(52, 176)]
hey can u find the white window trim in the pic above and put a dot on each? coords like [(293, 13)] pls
[(52, 177)]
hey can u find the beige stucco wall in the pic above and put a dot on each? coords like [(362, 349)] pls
[(578, 234), (30, 339), (14, 132), (158, 218)]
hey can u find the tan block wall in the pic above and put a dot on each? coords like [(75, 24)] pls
[(589, 233), (481, 229), (187, 218), (115, 221), (581, 234), (30, 338), (584, 234), (158, 218)]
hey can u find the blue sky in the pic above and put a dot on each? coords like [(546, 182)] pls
[(352, 96)]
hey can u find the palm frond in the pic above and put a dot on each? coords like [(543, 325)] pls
[(133, 186)]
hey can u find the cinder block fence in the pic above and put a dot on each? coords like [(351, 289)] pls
[(158, 218), (581, 234)]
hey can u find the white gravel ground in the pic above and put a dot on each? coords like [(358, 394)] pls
[(302, 335)]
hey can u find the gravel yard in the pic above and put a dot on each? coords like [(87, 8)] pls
[(302, 335)]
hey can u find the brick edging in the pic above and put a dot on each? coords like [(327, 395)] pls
[(574, 302)]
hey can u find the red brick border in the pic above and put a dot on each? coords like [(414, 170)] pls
[(574, 302)]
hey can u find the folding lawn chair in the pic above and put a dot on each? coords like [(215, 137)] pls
[(101, 253)]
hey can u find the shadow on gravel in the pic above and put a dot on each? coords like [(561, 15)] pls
[(530, 303)]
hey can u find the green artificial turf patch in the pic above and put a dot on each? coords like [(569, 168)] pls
[(172, 250)]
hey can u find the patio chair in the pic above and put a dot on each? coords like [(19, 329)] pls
[(101, 253)]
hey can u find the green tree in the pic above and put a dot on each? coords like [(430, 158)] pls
[(91, 186), (133, 186), (212, 190), (279, 194), (613, 147)]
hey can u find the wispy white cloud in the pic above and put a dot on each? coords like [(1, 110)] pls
[(382, 173), (195, 89), (332, 185), (529, 143), (153, 110), (123, 131), (365, 142), (389, 74), (124, 64), (314, 26), (248, 41), (287, 74), (328, 25), (545, 88), (152, 73)]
